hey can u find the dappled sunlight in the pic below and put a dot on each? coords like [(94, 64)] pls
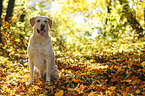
[(99, 47), (96, 66)]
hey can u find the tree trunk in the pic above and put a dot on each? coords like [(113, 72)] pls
[(131, 18), (10, 10), (7, 19), (1, 4), (108, 2)]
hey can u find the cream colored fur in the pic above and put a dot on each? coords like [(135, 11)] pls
[(40, 51)]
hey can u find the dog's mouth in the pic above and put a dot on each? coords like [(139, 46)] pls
[(41, 32)]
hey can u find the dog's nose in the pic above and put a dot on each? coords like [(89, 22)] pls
[(42, 26)]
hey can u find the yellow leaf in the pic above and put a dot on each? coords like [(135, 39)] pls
[(60, 74), (17, 40), (91, 93), (27, 77), (112, 88), (5, 59), (60, 93), (62, 70), (107, 92), (7, 90), (137, 91), (119, 69), (26, 71), (143, 38), (143, 64), (69, 71), (91, 60), (41, 95), (35, 88)]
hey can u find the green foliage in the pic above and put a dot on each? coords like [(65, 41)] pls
[(108, 63)]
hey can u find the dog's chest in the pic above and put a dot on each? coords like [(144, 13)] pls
[(39, 53), (39, 50)]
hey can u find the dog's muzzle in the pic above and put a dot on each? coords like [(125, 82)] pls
[(41, 31)]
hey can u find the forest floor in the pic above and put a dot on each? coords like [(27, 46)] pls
[(119, 74)]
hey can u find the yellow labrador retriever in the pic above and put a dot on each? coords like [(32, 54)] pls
[(40, 51)]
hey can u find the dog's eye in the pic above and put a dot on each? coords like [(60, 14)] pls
[(45, 21), (38, 20)]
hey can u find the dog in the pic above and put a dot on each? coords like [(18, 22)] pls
[(40, 52)]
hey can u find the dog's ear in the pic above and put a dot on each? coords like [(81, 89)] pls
[(32, 21), (49, 21)]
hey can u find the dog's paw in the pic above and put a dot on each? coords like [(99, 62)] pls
[(48, 79), (30, 80), (55, 74)]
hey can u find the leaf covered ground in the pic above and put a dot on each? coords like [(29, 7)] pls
[(119, 74)]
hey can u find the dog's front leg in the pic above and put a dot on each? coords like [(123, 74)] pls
[(48, 68), (31, 69)]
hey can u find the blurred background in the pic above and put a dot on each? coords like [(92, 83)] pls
[(79, 26)]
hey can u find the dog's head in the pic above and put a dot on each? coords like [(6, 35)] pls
[(40, 24)]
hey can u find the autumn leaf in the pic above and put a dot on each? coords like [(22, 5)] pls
[(91, 93), (112, 88), (137, 91), (76, 81), (60, 93), (41, 95)]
